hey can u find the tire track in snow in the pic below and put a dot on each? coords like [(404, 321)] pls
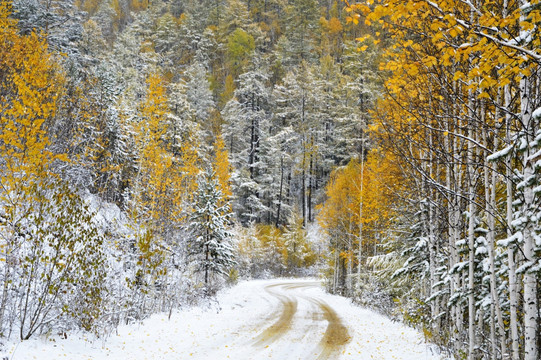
[(336, 335), (284, 322)]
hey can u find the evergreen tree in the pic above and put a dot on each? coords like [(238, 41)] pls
[(209, 247), (60, 20), (198, 92), (247, 125), (302, 16)]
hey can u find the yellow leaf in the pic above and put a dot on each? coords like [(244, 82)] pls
[(483, 95), (413, 70), (458, 75), (430, 61)]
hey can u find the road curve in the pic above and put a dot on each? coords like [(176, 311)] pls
[(285, 318), (318, 314)]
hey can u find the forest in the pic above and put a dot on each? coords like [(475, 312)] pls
[(154, 152)]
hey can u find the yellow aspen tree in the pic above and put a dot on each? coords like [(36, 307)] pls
[(44, 225), (222, 167), (229, 90), (30, 85), (156, 203), (382, 182), (189, 169), (337, 218), (455, 67), (156, 177)]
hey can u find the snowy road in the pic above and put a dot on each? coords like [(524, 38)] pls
[(315, 320), (286, 319)]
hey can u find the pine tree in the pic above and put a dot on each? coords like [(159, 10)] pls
[(60, 20), (198, 92), (246, 128), (209, 247), (302, 16)]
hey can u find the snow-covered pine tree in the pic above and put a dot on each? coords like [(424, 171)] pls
[(302, 16), (58, 19), (295, 103), (108, 142), (277, 159), (248, 115), (181, 118), (198, 92), (209, 247)]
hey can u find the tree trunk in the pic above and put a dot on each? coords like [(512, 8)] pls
[(360, 250), (454, 182), (281, 191), (349, 279), (251, 156), (310, 186), (490, 208), (206, 264), (303, 189), (303, 128), (530, 281), (431, 239), (471, 237), (513, 293)]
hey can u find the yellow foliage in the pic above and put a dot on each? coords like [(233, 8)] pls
[(30, 85), (362, 194), (155, 187), (271, 240), (335, 26), (222, 168), (138, 5), (229, 90), (189, 168)]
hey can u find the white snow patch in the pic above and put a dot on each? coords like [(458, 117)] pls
[(515, 238), (525, 6), (481, 250), (499, 154), (537, 113)]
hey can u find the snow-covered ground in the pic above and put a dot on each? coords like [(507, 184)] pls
[(275, 319)]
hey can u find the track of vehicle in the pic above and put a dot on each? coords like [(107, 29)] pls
[(317, 313)]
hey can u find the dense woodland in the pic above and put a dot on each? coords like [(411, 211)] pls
[(153, 151)]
